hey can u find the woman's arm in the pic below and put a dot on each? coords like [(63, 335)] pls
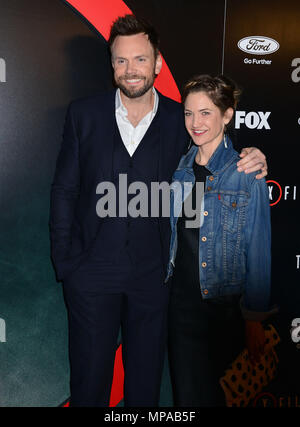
[(256, 298), (258, 249)]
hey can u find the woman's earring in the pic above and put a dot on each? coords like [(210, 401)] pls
[(190, 143), (225, 137), (225, 141)]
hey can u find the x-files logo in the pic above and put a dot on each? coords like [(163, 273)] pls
[(269, 400), (276, 192), (2, 70)]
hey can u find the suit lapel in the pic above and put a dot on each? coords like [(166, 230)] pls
[(165, 167)]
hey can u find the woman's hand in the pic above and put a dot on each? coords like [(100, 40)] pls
[(253, 160), (255, 340)]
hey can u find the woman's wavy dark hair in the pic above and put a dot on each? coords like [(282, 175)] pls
[(222, 91)]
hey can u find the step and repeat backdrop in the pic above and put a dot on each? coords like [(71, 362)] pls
[(54, 51)]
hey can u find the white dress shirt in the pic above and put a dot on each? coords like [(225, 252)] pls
[(132, 136)]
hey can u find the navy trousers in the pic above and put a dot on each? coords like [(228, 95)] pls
[(102, 297)]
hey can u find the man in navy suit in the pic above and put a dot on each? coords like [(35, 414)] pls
[(113, 268)]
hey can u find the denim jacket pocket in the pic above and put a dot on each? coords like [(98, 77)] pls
[(233, 219), (233, 208)]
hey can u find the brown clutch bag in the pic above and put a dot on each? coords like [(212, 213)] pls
[(243, 381)]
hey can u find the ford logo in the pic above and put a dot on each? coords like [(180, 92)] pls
[(258, 45)]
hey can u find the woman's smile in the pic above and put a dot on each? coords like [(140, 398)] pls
[(197, 132)]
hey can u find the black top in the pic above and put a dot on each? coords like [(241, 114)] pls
[(186, 273)]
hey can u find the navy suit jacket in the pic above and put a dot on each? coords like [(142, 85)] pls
[(85, 160)]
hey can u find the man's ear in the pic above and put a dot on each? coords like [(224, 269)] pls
[(158, 64), (228, 115)]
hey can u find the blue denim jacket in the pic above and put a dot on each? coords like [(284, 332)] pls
[(234, 233)]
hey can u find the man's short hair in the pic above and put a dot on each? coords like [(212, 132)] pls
[(130, 25)]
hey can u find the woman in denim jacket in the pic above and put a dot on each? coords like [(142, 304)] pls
[(220, 258)]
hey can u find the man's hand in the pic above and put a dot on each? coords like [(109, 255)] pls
[(255, 340), (253, 160)]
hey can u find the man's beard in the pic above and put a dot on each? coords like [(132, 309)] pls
[(133, 92)]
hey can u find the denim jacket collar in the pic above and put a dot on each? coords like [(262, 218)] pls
[(220, 159)]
